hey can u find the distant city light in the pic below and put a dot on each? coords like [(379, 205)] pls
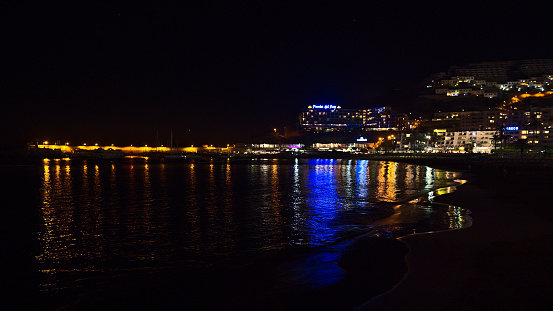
[(46, 142), (361, 139), (511, 128)]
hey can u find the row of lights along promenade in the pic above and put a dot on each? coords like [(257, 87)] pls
[(500, 162)]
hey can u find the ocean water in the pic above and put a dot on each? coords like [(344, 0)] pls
[(70, 222)]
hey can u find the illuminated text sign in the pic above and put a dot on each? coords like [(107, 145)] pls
[(511, 128), (324, 107)]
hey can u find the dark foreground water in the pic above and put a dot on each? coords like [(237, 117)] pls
[(70, 224)]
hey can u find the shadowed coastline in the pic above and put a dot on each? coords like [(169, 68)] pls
[(503, 261)]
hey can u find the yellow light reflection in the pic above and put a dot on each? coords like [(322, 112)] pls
[(387, 181)]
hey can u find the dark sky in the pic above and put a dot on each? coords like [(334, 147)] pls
[(224, 72)]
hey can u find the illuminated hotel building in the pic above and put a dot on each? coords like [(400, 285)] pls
[(496, 119), (330, 118)]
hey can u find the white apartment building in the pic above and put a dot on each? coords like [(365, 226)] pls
[(444, 141), (479, 141)]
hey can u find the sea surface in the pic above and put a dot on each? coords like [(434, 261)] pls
[(71, 223)]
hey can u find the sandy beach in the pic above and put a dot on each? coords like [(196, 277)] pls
[(502, 262)]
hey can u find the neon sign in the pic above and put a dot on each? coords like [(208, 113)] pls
[(324, 107), (511, 128)]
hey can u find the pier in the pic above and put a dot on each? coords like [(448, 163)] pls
[(130, 150)]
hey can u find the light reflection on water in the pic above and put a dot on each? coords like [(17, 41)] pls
[(137, 213)]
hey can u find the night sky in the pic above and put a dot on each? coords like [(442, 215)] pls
[(225, 72)]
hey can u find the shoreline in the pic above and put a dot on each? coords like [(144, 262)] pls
[(501, 262)]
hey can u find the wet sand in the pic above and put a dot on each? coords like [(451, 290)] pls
[(503, 262)]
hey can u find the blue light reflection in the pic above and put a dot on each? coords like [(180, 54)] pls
[(323, 200)]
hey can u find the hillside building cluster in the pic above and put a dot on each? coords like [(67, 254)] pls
[(452, 131), (461, 131), (489, 79), (468, 85)]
